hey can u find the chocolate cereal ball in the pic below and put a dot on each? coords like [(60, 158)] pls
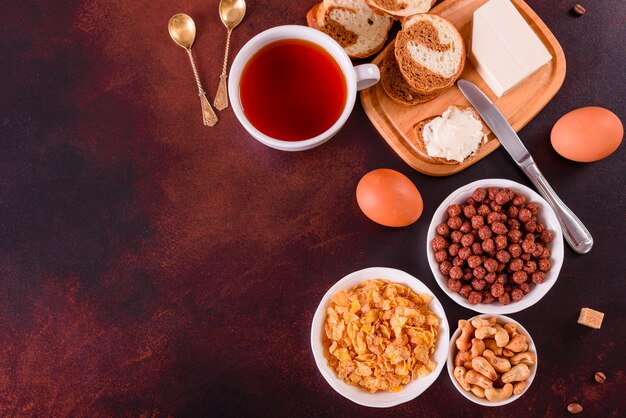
[(479, 194), (443, 230), (454, 285), (439, 243), (441, 256), (475, 298), (505, 299), (454, 210), (456, 273), (517, 295)]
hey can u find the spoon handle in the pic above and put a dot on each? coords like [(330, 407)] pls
[(221, 98), (208, 115)]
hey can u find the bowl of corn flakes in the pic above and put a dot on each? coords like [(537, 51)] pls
[(380, 337)]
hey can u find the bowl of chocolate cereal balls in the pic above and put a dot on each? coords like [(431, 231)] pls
[(495, 246)]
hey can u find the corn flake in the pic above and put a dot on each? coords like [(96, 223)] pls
[(380, 335)]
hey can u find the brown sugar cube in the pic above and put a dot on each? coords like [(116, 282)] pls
[(590, 318)]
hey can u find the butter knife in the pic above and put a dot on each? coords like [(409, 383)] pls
[(575, 233)]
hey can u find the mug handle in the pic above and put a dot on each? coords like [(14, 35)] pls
[(366, 76)]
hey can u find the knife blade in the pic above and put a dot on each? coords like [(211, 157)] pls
[(575, 233)]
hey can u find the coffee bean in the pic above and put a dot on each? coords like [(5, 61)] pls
[(579, 10), (600, 377)]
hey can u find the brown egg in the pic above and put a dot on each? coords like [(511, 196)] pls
[(587, 134), (389, 198)]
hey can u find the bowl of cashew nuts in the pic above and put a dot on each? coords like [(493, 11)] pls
[(492, 359)]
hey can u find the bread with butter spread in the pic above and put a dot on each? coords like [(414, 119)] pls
[(420, 144), (430, 53)]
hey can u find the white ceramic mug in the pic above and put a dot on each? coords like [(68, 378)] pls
[(357, 78)]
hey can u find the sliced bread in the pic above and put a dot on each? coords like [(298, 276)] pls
[(430, 53), (395, 85), (401, 8), (353, 24), (421, 144), (311, 17)]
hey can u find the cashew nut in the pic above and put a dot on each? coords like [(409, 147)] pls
[(485, 331), (507, 353), (527, 357), (500, 364), (462, 357), (491, 344), (511, 328), (518, 387), (481, 322), (478, 391), (495, 394), (501, 336), (463, 342), (474, 378), (516, 344), (478, 346), (516, 374), (459, 375), (482, 366)]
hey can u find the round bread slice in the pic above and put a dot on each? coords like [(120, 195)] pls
[(311, 17), (395, 85), (420, 145), (401, 8), (353, 24), (430, 53)]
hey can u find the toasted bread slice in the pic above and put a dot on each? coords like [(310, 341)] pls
[(401, 8), (353, 24), (420, 144), (311, 17), (395, 85), (430, 53)]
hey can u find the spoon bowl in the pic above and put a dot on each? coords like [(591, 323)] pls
[(182, 29), (232, 12)]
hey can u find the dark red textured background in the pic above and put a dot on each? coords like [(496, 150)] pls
[(152, 266)]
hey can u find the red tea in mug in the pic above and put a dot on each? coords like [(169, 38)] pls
[(292, 90)]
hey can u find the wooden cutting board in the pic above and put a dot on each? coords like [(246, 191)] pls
[(395, 122)]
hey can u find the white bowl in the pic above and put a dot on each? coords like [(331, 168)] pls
[(379, 399), (500, 319), (546, 216)]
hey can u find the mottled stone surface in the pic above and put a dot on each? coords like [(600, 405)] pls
[(152, 266)]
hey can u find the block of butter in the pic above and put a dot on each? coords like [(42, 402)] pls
[(504, 48)]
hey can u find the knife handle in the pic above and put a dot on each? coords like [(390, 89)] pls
[(575, 233)]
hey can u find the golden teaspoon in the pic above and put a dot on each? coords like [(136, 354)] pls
[(231, 13), (182, 29)]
